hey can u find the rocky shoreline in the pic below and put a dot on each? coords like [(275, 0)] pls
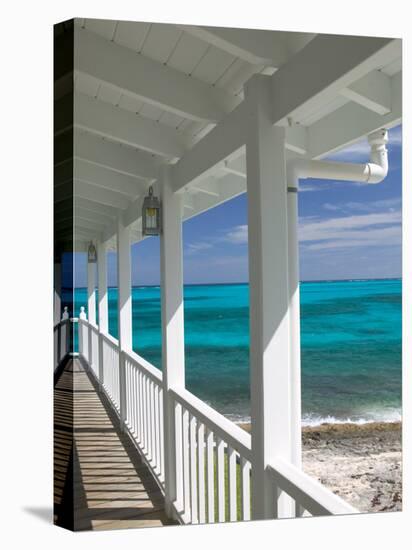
[(361, 463)]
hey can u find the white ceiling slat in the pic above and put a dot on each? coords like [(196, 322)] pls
[(115, 123), (254, 46), (86, 84), (90, 204), (112, 155), (187, 54), (91, 192), (103, 177), (236, 75), (109, 94), (170, 119), (84, 213), (213, 65), (130, 103), (161, 41), (131, 34), (102, 27), (161, 85), (151, 111), (323, 110)]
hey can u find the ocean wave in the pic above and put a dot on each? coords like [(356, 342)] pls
[(313, 420)]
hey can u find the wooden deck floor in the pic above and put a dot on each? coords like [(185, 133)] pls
[(100, 480)]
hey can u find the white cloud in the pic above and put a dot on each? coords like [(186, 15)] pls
[(372, 229), (237, 235), (391, 204), (194, 248)]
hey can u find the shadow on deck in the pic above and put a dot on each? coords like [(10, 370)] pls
[(100, 481)]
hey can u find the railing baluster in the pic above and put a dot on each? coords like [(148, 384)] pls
[(186, 467), (157, 426), (245, 488), (193, 470), (140, 405), (231, 458), (161, 432), (210, 477), (201, 471), (221, 479)]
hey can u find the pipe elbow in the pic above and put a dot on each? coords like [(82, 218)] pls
[(377, 173)]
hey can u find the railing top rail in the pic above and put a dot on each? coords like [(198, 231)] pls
[(145, 366), (224, 428), (109, 338), (312, 495)]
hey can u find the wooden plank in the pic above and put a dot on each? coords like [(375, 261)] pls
[(113, 488)]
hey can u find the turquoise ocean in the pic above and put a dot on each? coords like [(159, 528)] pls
[(350, 338)]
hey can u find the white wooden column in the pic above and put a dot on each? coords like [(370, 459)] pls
[(124, 306), (57, 292), (91, 307), (294, 323), (173, 352), (294, 320), (268, 279), (103, 301)]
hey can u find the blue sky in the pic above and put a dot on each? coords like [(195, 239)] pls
[(346, 230)]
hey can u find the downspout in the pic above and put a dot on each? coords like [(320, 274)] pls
[(370, 173)]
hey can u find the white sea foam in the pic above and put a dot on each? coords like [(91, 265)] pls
[(312, 420)]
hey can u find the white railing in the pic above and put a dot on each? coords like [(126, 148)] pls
[(111, 378), (83, 337), (94, 348), (144, 410), (310, 496), (61, 335), (213, 455), (215, 459)]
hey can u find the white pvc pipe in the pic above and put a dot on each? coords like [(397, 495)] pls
[(372, 172)]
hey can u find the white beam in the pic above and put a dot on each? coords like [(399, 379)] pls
[(91, 192), (259, 47), (149, 80), (373, 91), (119, 125), (113, 156), (221, 142), (268, 283), (352, 122), (318, 72), (102, 177), (173, 356)]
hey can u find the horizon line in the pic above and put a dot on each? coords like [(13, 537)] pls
[(352, 279)]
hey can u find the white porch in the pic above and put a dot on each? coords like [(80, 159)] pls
[(204, 114)]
